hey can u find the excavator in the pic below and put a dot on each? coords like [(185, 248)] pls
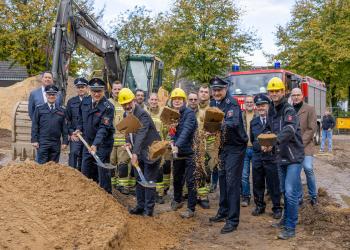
[(73, 27)]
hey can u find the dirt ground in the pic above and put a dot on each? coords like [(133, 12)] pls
[(326, 226)]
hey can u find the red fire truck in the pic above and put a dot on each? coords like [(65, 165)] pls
[(252, 82)]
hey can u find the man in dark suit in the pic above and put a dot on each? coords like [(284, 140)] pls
[(38, 96), (48, 127), (139, 143)]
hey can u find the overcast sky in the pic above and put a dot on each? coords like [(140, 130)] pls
[(260, 15)]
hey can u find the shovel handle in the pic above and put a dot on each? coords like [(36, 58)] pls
[(83, 141), (130, 155), (172, 149)]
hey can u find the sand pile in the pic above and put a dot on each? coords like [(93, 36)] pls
[(20, 91), (54, 206)]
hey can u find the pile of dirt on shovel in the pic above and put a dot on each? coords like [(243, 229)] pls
[(53, 206)]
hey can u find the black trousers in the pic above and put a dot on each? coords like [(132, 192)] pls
[(230, 179), (75, 154), (146, 196), (48, 151), (266, 171), (184, 171)]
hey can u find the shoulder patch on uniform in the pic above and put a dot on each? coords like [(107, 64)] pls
[(105, 120), (107, 105), (290, 118), (230, 113)]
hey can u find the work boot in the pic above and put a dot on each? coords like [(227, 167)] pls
[(125, 190), (187, 214), (277, 215), (228, 228), (258, 211), (279, 224), (176, 205), (159, 199), (204, 203), (148, 213), (218, 218), (136, 211), (245, 201), (286, 233), (314, 201)]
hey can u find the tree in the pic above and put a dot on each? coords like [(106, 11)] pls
[(316, 42), (25, 27), (201, 38)]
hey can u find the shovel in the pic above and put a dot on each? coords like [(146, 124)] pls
[(97, 159), (143, 181)]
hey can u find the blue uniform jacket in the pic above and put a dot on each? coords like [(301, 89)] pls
[(36, 98), (185, 131), (97, 123), (49, 126), (284, 122), (257, 128), (72, 112), (232, 129)]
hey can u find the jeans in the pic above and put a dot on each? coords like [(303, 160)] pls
[(310, 176), (290, 178), (326, 134), (246, 172)]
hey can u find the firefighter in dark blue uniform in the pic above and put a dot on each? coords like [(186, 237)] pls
[(264, 164), (96, 124), (283, 121), (72, 112), (48, 127), (231, 154)]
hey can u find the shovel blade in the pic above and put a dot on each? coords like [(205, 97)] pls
[(106, 165), (147, 184)]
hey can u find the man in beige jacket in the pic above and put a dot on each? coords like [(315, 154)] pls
[(308, 125)]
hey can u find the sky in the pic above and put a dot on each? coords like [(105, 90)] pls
[(261, 16)]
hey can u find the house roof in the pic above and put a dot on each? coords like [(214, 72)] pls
[(16, 72)]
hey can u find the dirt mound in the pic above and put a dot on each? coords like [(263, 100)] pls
[(53, 206), (327, 221), (20, 91)]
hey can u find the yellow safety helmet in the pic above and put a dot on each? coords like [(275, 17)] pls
[(125, 96), (177, 92), (275, 84)]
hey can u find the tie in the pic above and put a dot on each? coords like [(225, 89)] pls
[(51, 107), (94, 105), (264, 121)]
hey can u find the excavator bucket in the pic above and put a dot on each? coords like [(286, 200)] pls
[(130, 124), (169, 116)]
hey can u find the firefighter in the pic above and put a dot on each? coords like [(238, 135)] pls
[(96, 125), (48, 127), (210, 148), (265, 168), (284, 122), (233, 144), (203, 189), (119, 156), (140, 98), (154, 111), (139, 143), (73, 105), (184, 165)]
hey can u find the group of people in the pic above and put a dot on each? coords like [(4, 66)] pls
[(228, 154)]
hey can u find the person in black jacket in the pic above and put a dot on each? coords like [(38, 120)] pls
[(139, 143), (328, 123), (264, 164), (284, 122), (184, 165), (72, 111), (231, 154), (96, 123), (48, 127)]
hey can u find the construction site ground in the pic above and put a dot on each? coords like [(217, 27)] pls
[(73, 213)]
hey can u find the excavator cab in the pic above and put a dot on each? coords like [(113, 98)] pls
[(143, 72)]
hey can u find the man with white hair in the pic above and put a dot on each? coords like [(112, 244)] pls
[(307, 118)]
